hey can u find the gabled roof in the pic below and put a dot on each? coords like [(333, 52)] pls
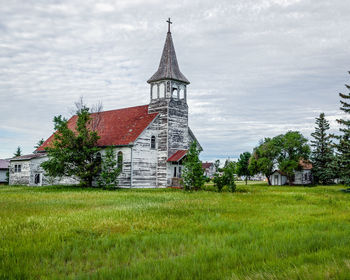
[(4, 164), (116, 127), (168, 66), (206, 165), (28, 157), (177, 156), (280, 172), (305, 164)]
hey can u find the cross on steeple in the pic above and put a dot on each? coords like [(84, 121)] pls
[(169, 22)]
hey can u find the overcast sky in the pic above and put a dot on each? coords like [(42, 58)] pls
[(257, 68)]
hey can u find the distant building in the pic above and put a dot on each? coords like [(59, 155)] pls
[(4, 168), (209, 169), (301, 177)]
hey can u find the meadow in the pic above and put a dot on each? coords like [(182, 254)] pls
[(259, 232)]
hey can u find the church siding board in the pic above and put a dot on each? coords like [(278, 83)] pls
[(145, 159)]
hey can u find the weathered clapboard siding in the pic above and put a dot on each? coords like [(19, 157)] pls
[(161, 106), (30, 168), (145, 159)]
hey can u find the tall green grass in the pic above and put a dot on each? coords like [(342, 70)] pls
[(258, 232)]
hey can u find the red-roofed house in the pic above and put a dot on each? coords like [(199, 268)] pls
[(151, 139)]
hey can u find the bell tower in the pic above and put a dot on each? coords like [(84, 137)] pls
[(168, 97)]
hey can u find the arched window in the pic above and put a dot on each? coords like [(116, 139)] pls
[(161, 90), (181, 93), (120, 161), (153, 142), (175, 93)]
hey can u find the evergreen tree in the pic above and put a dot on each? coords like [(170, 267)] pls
[(192, 173), (39, 143), (74, 152), (109, 170), (343, 147), (243, 166), (322, 153), (18, 152)]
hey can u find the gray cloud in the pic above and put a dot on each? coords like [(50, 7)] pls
[(257, 68)]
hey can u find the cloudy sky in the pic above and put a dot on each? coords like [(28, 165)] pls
[(257, 68)]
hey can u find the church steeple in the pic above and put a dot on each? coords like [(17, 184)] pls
[(168, 82), (168, 66)]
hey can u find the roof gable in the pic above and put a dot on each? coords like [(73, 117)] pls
[(116, 127)]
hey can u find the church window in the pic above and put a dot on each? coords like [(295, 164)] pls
[(161, 90), (37, 179), (120, 161), (175, 93), (99, 159), (174, 171), (153, 142), (18, 168), (181, 93), (179, 171)]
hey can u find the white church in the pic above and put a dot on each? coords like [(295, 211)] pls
[(150, 141)]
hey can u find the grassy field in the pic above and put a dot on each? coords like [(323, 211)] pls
[(259, 232)]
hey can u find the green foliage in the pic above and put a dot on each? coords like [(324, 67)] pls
[(260, 232), (74, 152), (264, 158), (39, 143), (293, 147), (242, 168), (343, 147), (192, 173), (18, 152), (217, 164), (226, 177), (108, 177), (322, 155), (7, 177)]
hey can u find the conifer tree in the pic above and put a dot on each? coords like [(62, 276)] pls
[(192, 174), (109, 170), (322, 153), (18, 152), (343, 147)]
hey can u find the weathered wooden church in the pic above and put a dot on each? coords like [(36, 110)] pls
[(150, 140)]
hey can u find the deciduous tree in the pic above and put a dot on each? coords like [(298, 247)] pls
[(242, 167), (74, 152)]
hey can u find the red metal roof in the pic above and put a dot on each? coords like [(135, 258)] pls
[(206, 165), (116, 127), (178, 155)]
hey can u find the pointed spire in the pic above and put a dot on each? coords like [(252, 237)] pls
[(168, 66)]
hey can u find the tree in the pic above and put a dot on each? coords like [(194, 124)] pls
[(343, 147), (322, 153), (74, 152), (226, 178), (18, 152), (39, 143), (242, 165), (264, 158), (217, 165), (109, 170), (192, 173), (293, 147)]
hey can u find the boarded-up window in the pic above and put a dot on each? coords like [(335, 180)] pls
[(153, 142)]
